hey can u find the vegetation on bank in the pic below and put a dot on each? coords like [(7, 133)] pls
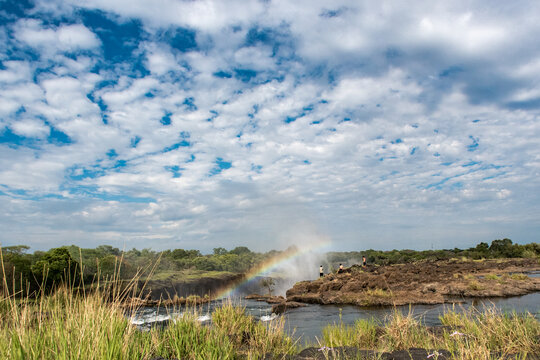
[(71, 325), (25, 272), (498, 249), (73, 322), (466, 335), (68, 325)]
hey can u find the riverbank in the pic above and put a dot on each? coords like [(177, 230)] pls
[(424, 282), (71, 326)]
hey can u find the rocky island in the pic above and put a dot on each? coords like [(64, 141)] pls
[(423, 282)]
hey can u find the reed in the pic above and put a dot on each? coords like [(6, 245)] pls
[(475, 332), (93, 322), (361, 334), (76, 322), (468, 335)]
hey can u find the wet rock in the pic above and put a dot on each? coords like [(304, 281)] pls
[(284, 306)]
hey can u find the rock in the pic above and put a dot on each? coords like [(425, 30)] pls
[(424, 282), (268, 298), (284, 306)]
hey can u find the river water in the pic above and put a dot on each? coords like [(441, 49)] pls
[(306, 323)]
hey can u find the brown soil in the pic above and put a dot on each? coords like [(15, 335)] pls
[(426, 282)]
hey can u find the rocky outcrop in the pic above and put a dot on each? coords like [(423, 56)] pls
[(281, 307), (426, 282), (267, 298)]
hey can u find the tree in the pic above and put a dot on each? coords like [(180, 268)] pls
[(108, 250), (55, 267), (240, 250), (17, 269), (220, 251), (501, 247), (269, 284), (183, 254), (108, 265), (482, 247)]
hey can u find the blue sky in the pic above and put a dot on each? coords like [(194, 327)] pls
[(200, 124)]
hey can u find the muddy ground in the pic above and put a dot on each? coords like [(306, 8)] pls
[(426, 282)]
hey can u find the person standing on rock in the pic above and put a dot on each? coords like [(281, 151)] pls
[(364, 262), (321, 272), (340, 270)]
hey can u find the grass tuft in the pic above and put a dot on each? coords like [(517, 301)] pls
[(468, 335)]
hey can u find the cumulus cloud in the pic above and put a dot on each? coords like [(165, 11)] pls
[(30, 128), (64, 38), (205, 124)]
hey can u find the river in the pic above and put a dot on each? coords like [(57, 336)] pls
[(306, 323)]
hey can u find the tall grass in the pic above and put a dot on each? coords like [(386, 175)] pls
[(66, 326), (69, 326), (469, 335), (362, 334), (478, 332), (77, 322)]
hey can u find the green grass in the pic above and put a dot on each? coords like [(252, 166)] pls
[(468, 335), (475, 285), (75, 326), (70, 325), (520, 277), (74, 323), (362, 334)]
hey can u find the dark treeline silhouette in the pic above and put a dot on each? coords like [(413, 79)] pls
[(25, 272)]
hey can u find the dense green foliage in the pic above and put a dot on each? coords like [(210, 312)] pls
[(498, 249), (25, 272), (55, 266)]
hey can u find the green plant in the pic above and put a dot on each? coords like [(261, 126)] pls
[(361, 334), (519, 277), (475, 285)]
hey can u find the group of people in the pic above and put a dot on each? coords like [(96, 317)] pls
[(340, 269)]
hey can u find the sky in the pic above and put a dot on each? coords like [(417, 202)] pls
[(201, 124)]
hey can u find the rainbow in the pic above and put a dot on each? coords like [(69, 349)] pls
[(269, 264)]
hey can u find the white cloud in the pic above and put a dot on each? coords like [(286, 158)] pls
[(30, 128), (64, 38), (15, 71), (379, 150)]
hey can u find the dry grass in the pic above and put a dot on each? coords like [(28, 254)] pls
[(468, 335), (475, 285)]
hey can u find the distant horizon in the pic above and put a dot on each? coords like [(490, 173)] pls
[(280, 250), (200, 124)]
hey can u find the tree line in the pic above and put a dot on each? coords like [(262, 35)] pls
[(25, 272), (503, 248)]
